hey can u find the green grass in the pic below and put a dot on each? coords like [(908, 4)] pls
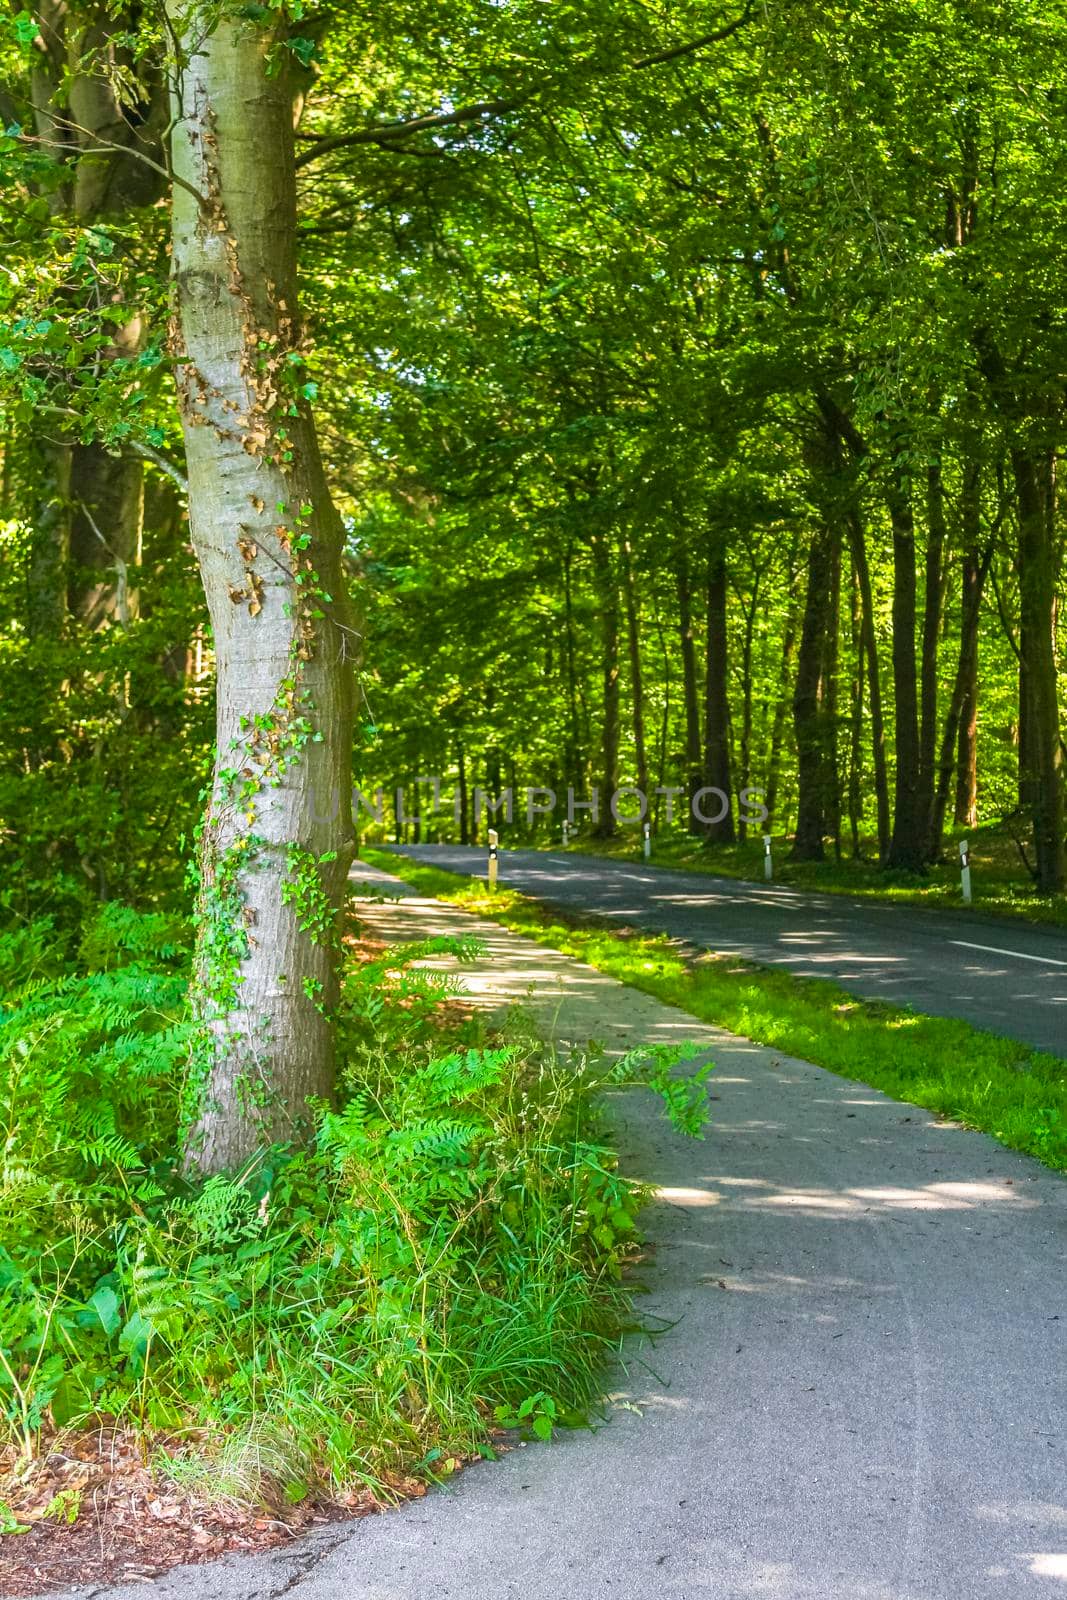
[(1000, 884), (990, 1083)]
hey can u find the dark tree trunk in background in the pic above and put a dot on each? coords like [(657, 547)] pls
[(574, 755), (808, 710), (608, 597), (633, 638), (907, 846), (1041, 758), (932, 608), (106, 521), (87, 533), (855, 719), (745, 751), (858, 547), (828, 696), (461, 781), (959, 737), (778, 721), (717, 773), (690, 691), (966, 808)]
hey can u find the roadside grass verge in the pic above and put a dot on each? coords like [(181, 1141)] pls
[(1001, 887), (990, 1083)]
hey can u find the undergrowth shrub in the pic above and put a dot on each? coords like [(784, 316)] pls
[(446, 1253)]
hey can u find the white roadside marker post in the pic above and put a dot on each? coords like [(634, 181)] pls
[(566, 833), (768, 864), (965, 870), (493, 841), (647, 841)]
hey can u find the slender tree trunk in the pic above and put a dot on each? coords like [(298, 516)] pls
[(828, 696), (781, 708), (959, 738), (665, 717), (464, 815), (855, 720), (907, 846), (690, 691), (608, 596), (858, 546), (269, 542), (932, 610), (1041, 759), (717, 773), (574, 755), (633, 635), (808, 716), (745, 751)]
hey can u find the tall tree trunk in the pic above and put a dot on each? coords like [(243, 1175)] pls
[(633, 636), (808, 714), (907, 846), (1042, 754), (88, 539), (608, 596), (717, 709), (574, 758), (269, 543), (745, 748), (932, 606), (960, 736), (966, 807), (858, 547), (855, 719), (690, 691), (665, 717), (781, 708), (464, 813), (828, 696)]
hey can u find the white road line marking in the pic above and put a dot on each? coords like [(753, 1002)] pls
[(1018, 955)]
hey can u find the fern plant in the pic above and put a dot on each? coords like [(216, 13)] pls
[(448, 1251)]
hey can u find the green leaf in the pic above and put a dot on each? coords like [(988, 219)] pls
[(105, 1304)]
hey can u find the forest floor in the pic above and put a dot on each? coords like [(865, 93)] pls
[(855, 1390), (1001, 883)]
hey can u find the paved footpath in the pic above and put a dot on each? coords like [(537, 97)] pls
[(861, 1395)]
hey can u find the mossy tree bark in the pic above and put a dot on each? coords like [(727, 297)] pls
[(277, 837)]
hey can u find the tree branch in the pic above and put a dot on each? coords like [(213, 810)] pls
[(387, 132), (672, 52), (107, 147)]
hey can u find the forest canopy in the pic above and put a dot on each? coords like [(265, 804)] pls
[(524, 395)]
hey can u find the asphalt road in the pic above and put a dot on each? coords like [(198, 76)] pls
[(857, 1392), (1004, 976)]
